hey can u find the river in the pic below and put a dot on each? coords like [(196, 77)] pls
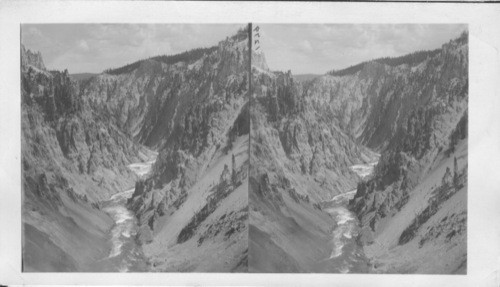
[(125, 254), (347, 254)]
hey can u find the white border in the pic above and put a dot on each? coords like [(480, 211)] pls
[(484, 140)]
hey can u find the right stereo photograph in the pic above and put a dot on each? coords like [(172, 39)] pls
[(358, 148)]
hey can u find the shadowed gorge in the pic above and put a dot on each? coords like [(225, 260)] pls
[(317, 179), (139, 168), (206, 160), (72, 160)]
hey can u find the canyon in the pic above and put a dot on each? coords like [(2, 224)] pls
[(314, 140), (209, 161), (139, 168)]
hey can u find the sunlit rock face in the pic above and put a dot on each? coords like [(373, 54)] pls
[(80, 136), (300, 157), (418, 194), (373, 158), (72, 160), (308, 137), (196, 113), (31, 58)]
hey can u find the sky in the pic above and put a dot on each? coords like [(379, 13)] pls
[(301, 48), (317, 48), (93, 48)]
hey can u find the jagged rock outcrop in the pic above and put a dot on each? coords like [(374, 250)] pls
[(306, 140), (305, 136), (196, 112), (143, 98), (372, 101), (412, 188), (72, 159), (301, 138), (299, 158), (30, 58)]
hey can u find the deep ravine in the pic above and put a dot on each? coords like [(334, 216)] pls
[(125, 255), (347, 254)]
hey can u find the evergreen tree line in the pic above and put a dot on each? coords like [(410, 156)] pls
[(459, 133), (187, 56), (412, 59)]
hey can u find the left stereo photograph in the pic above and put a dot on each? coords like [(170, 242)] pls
[(135, 147)]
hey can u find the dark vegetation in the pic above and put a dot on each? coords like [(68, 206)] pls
[(227, 184), (459, 133), (240, 127), (59, 97), (440, 195), (450, 225), (188, 56), (417, 133), (412, 59), (232, 222), (284, 101)]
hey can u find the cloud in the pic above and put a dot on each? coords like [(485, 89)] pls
[(317, 48), (306, 46), (83, 45), (96, 47), (303, 48)]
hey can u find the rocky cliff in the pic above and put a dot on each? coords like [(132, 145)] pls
[(305, 136), (372, 100), (142, 98), (72, 159), (414, 209), (300, 157), (283, 149), (31, 59), (193, 208)]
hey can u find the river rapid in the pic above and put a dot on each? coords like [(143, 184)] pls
[(347, 254), (125, 255)]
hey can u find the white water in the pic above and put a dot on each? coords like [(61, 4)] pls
[(346, 229), (346, 222), (141, 168), (124, 253), (364, 170), (124, 221), (345, 252)]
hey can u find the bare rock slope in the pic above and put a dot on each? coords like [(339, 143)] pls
[(305, 136), (414, 209), (193, 208), (72, 159), (299, 158)]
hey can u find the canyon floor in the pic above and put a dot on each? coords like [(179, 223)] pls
[(125, 255)]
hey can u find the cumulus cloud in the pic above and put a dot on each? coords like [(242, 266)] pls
[(317, 48), (83, 45), (302, 48), (96, 47)]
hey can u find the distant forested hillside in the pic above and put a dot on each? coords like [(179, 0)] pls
[(188, 56), (410, 59)]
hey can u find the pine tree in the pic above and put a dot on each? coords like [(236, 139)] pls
[(455, 172), (447, 178), (274, 107), (233, 174)]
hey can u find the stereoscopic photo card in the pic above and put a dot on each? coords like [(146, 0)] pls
[(249, 144)]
